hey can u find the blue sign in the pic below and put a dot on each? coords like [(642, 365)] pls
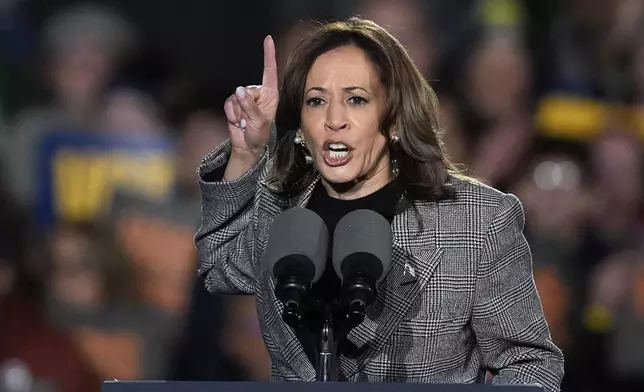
[(80, 172)]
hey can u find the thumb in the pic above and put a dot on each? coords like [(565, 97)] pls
[(248, 104), (254, 92)]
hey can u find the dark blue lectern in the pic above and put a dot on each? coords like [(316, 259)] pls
[(163, 386)]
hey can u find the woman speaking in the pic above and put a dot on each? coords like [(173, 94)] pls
[(356, 127)]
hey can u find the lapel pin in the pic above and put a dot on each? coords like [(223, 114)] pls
[(409, 275)]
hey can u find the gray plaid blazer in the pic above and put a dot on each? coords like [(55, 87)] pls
[(459, 299)]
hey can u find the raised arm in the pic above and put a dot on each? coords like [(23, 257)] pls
[(508, 318), (228, 179)]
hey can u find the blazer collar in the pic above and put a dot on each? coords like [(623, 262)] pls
[(271, 198)]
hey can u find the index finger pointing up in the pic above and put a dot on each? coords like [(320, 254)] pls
[(269, 78)]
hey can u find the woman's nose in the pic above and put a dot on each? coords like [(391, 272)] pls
[(336, 118)]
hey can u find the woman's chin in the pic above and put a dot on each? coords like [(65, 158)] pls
[(338, 178)]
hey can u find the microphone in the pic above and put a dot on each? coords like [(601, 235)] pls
[(362, 251), (296, 256)]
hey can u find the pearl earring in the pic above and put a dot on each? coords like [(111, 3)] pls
[(299, 140)]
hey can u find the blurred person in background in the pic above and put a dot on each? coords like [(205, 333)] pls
[(497, 91), (83, 47), (615, 220), (35, 355), (556, 196), (93, 293), (203, 129), (134, 102), (408, 21), (614, 311), (130, 113), (358, 128), (555, 191), (591, 41), (613, 234)]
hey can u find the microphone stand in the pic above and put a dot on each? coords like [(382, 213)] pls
[(339, 318), (352, 311), (325, 369)]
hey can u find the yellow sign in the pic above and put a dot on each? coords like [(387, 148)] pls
[(84, 182)]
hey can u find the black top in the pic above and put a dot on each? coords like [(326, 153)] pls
[(323, 293), (331, 210)]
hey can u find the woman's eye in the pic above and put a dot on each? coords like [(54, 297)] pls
[(314, 102), (357, 100)]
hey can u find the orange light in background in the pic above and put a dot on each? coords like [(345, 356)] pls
[(556, 301), (638, 291), (164, 256)]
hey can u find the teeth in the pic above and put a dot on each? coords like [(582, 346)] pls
[(338, 154), (338, 146)]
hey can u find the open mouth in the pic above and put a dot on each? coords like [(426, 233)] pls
[(338, 150), (336, 153)]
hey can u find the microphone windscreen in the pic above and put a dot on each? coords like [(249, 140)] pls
[(363, 240), (298, 238)]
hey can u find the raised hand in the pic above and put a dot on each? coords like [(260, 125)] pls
[(250, 110)]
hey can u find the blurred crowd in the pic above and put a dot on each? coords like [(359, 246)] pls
[(100, 137)]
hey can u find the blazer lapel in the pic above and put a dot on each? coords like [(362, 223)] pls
[(269, 205), (415, 256)]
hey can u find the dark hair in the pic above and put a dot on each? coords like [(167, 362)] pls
[(411, 106)]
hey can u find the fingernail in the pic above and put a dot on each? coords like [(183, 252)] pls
[(242, 124), (241, 92)]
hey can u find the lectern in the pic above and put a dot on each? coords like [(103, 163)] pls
[(178, 386)]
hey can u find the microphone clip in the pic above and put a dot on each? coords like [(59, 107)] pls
[(292, 286), (291, 291), (358, 292)]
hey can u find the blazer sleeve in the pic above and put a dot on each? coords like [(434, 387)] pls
[(225, 237), (508, 319)]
